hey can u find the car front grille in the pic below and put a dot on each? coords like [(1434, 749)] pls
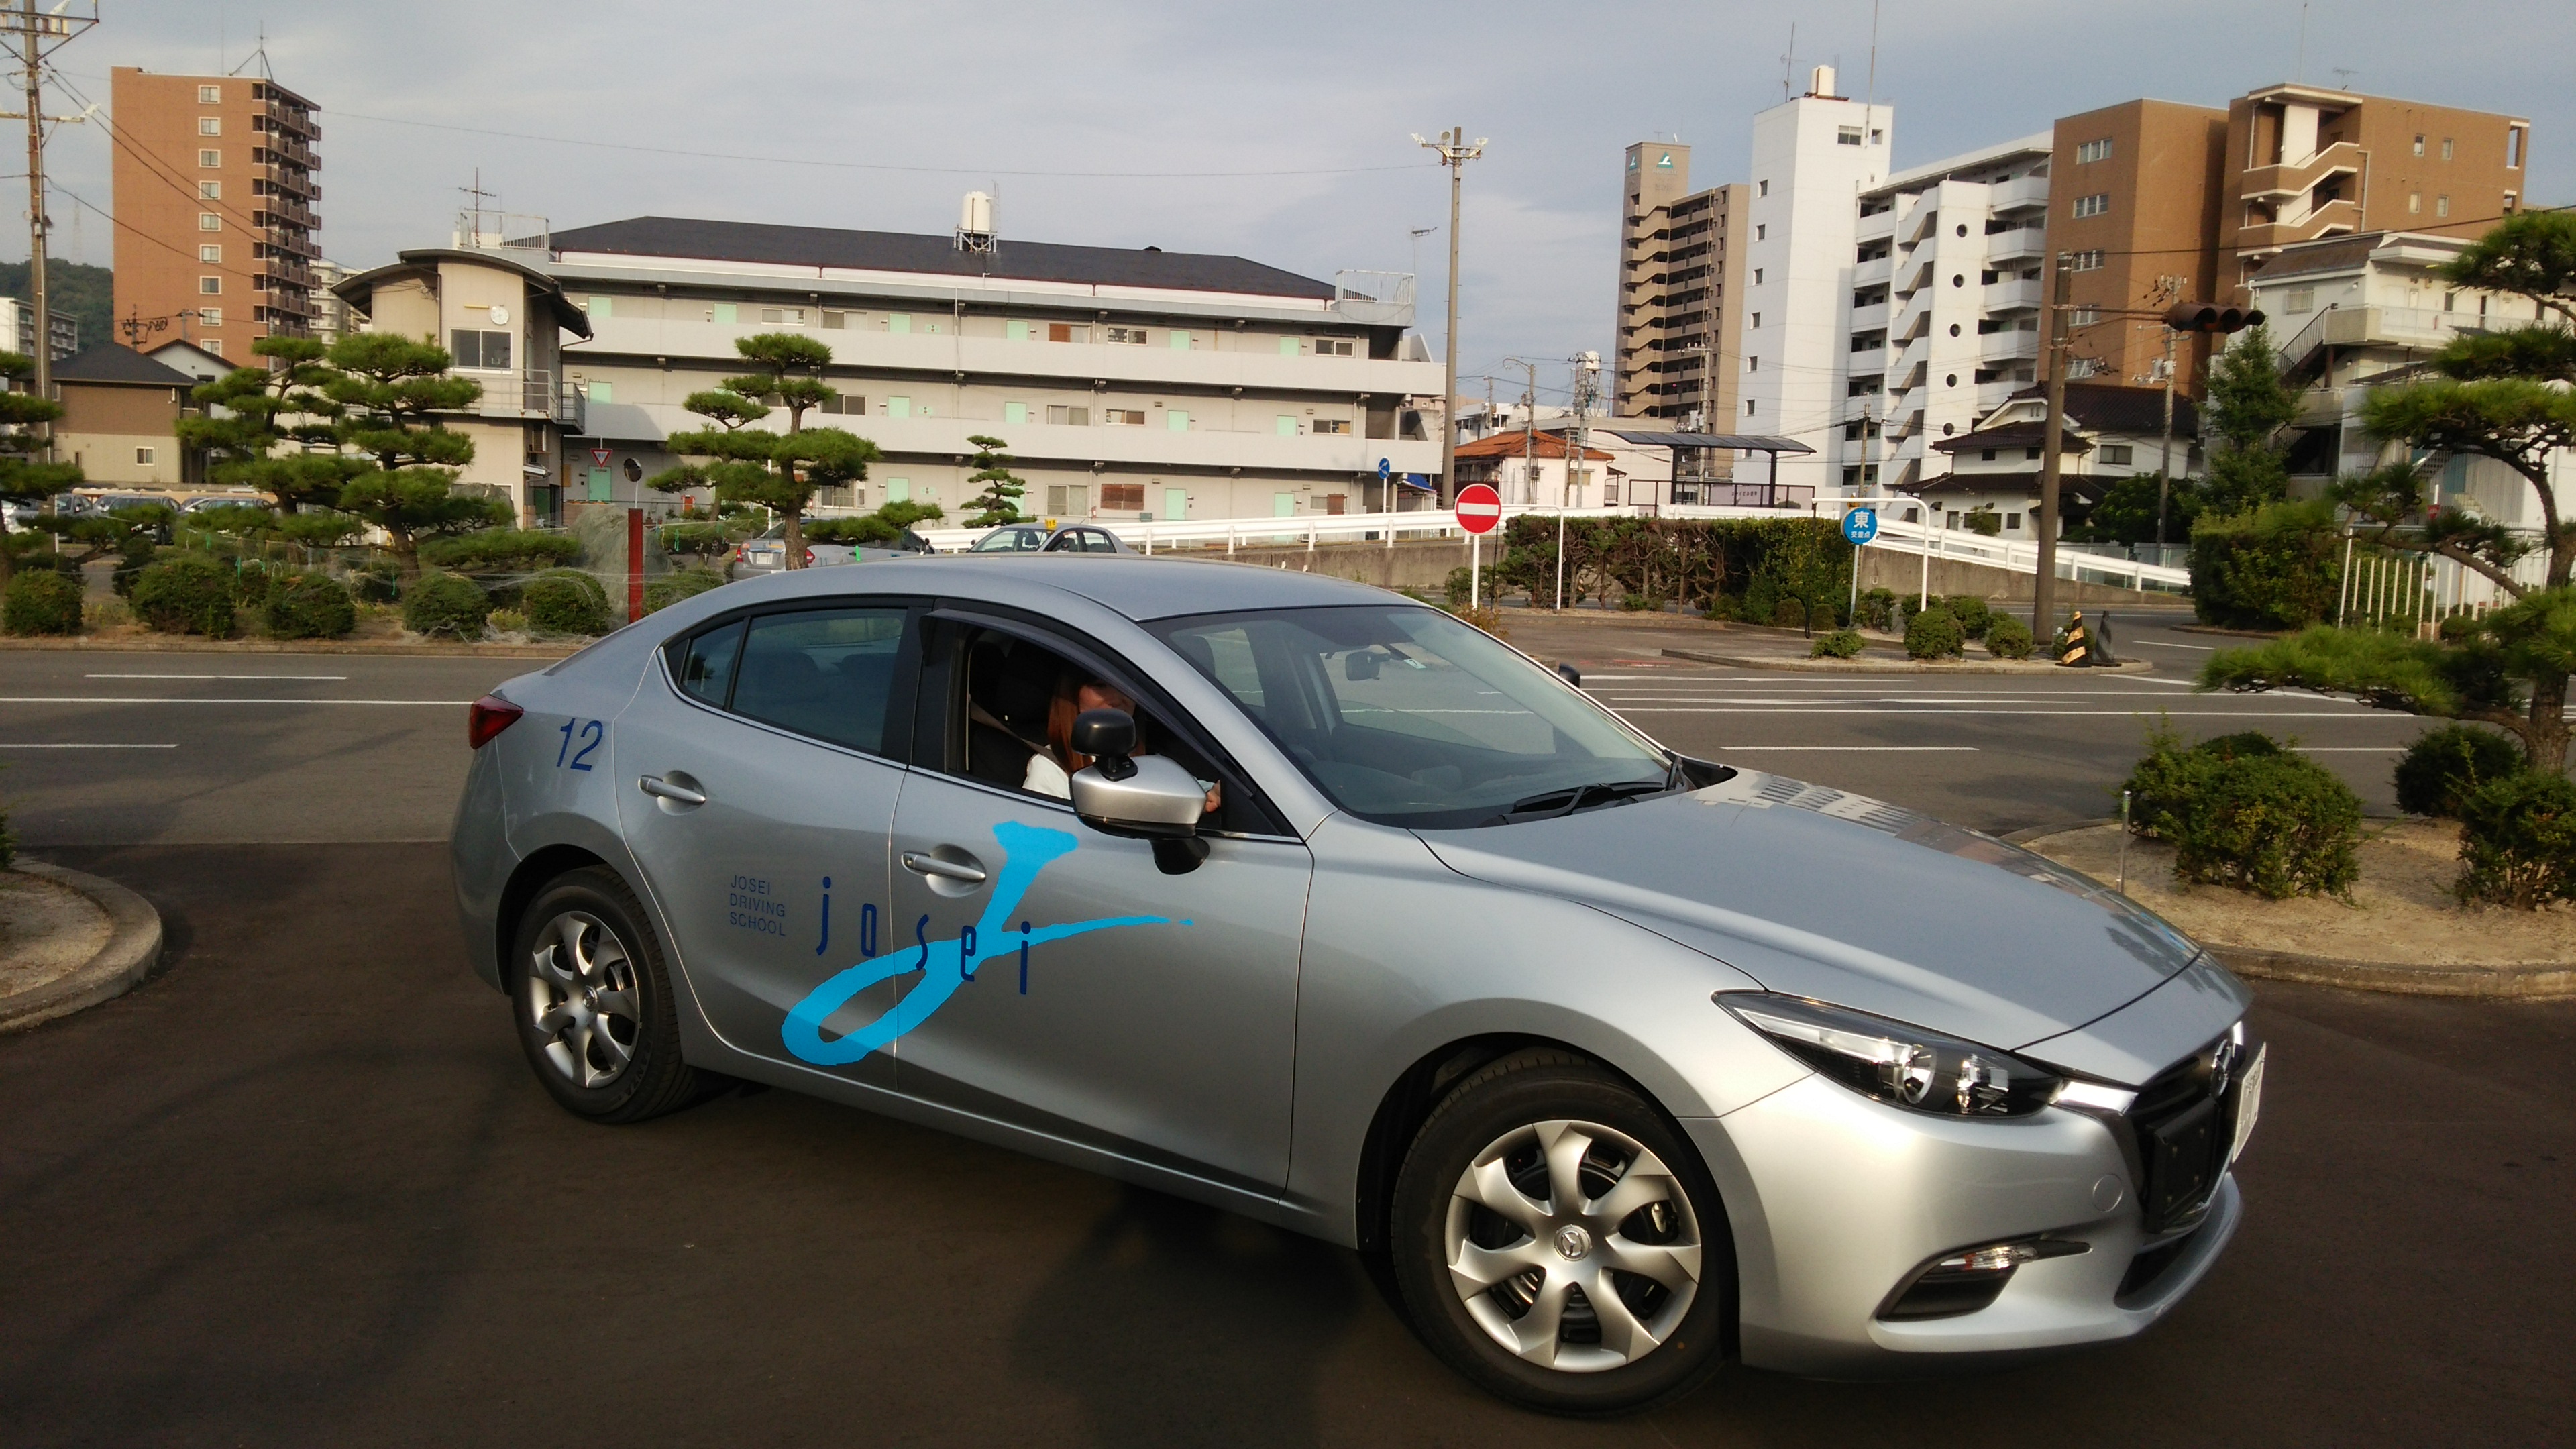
[(2183, 1123)]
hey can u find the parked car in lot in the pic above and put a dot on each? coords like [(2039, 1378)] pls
[(1290, 896), (767, 554), (1039, 538)]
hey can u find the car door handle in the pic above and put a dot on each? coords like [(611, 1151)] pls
[(655, 785), (922, 864)]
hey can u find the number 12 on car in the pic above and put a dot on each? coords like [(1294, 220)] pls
[(589, 730)]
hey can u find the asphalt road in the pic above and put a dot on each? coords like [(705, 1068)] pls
[(301, 1189)]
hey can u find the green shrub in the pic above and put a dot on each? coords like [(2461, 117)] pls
[(186, 593), (1877, 609), (133, 556), (2518, 841), (42, 601), (501, 550), (376, 583), (2279, 567), (507, 621), (1972, 614), (1456, 586), (1934, 634), (251, 582), (2008, 638), (1724, 606), (46, 559), (557, 605), (450, 604), (309, 606), (1788, 613), (671, 588), (2278, 825), (588, 582), (1637, 603), (2444, 767), (1840, 644)]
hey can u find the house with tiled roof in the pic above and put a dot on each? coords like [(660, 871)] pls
[(2111, 431)]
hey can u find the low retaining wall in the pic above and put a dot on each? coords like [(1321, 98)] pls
[(1902, 573), (1422, 564)]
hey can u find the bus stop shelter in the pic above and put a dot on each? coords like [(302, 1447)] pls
[(1750, 495)]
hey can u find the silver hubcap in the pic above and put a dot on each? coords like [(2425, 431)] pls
[(583, 1002), (1572, 1246)]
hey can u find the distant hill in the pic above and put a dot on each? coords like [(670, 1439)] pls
[(85, 292)]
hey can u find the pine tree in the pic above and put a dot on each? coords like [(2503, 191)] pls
[(391, 393), (248, 414), (999, 503), (23, 479), (2246, 408), (778, 471)]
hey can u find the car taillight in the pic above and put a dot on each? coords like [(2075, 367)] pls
[(487, 717), (809, 558), (737, 553)]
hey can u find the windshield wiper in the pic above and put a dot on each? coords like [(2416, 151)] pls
[(1597, 793)]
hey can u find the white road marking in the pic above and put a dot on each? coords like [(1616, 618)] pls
[(2160, 644), (2102, 713), (203, 699), (2346, 749), (1860, 749), (88, 747), (298, 677)]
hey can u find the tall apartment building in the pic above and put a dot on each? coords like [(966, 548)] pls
[(18, 322), (1681, 265), (1813, 156), (214, 200), (2304, 163), (1127, 383), (1944, 308), (2138, 210)]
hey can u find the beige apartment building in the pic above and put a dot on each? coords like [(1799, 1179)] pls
[(1681, 265), (214, 197)]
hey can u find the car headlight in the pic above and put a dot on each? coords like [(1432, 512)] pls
[(1895, 1063)]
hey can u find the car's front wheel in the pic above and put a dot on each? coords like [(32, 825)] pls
[(593, 1000), (1558, 1242)]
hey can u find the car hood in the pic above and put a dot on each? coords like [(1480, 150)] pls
[(1850, 900)]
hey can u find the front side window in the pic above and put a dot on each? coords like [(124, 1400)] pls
[(1406, 716)]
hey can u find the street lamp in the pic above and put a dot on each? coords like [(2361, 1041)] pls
[(1455, 152)]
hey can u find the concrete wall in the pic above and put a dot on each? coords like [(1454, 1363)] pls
[(1422, 564), (1902, 573)]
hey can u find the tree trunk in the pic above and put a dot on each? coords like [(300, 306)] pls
[(795, 539), (407, 558), (2546, 744)]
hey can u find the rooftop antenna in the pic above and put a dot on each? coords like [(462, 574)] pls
[(2303, 41), (475, 197), (1789, 65), (2346, 76), (260, 54), (1870, 99)]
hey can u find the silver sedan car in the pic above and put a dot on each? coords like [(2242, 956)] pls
[(1291, 896)]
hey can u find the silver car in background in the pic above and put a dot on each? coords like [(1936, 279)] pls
[(1287, 895)]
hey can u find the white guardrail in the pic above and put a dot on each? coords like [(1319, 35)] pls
[(1309, 529)]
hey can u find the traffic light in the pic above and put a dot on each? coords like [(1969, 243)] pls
[(2211, 317)]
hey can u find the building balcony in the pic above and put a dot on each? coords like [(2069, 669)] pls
[(1871, 318), (2014, 346), (533, 395), (2407, 328), (290, 120), (288, 181), (2288, 179), (1883, 269), (2016, 295), (2022, 193), (2021, 244), (1863, 363), (1877, 225), (2333, 218), (284, 211), (292, 242)]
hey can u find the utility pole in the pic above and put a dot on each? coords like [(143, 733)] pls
[(34, 34), (2043, 601), (1455, 152), (2164, 470)]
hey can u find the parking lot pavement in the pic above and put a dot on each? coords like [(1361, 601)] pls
[(302, 1189)]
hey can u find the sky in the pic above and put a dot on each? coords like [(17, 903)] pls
[(1277, 132)]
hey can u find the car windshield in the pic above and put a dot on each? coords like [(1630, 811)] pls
[(1406, 716)]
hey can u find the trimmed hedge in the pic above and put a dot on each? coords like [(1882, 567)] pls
[(2444, 767), (2518, 841), (667, 589), (555, 604), (2008, 638), (1757, 560), (450, 604), (1840, 644), (186, 593), (501, 550), (42, 601), (1934, 634), (376, 583), (1877, 609), (1971, 612), (2242, 810), (2279, 567), (309, 606)]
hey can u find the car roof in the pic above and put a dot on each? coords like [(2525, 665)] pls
[(1134, 585)]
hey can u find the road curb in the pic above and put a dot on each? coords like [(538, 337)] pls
[(1896, 666), (133, 948), (80, 643), (2525, 980)]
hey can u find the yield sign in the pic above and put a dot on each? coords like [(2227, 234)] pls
[(599, 457), (1479, 508)]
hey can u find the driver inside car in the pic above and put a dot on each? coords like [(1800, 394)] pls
[(1051, 770)]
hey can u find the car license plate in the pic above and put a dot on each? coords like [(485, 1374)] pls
[(2249, 1103)]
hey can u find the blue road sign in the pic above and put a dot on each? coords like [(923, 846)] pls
[(1860, 525), (1384, 467)]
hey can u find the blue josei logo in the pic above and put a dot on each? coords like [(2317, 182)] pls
[(944, 965)]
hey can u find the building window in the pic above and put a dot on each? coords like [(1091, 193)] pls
[(208, 221), (1133, 336), (210, 286), (2446, 148), (1753, 364), (2117, 455), (1762, 233), (210, 253), (2092, 151), (1986, 455), (211, 190), (2093, 205), (789, 316), (1122, 417), (210, 95), (1324, 346), (2084, 261), (2414, 202), (1757, 276), (1764, 188), (479, 349), (2509, 201), (2012, 523), (2304, 299), (2513, 138), (2441, 206), (1333, 425), (145, 456), (210, 316), (1064, 332), (210, 125), (210, 159), (2419, 145), (2084, 317), (1068, 417), (1123, 497), (1757, 321), (1847, 135)]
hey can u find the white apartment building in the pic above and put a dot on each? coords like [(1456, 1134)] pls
[(1812, 158), (1127, 383), (1944, 318)]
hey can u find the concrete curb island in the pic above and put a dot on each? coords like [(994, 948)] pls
[(183, 645), (2526, 980), (1898, 666), (133, 949)]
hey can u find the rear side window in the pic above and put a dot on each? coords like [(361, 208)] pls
[(705, 667), (828, 673)]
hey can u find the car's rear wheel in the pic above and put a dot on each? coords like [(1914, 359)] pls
[(592, 997), (1558, 1242)]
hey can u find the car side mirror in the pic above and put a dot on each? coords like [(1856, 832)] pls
[(1108, 736), (1156, 800), (1361, 664), (1571, 675)]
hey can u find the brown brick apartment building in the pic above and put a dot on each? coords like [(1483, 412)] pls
[(216, 232), (2134, 198), (1681, 265)]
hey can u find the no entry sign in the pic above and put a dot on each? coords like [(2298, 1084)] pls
[(1479, 508)]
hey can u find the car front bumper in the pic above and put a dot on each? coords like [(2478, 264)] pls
[(1837, 1202)]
